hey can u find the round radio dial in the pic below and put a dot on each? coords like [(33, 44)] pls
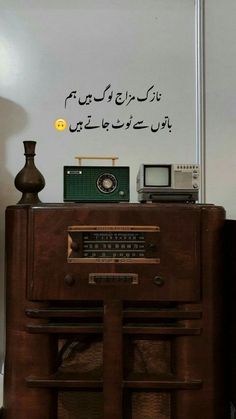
[(107, 183)]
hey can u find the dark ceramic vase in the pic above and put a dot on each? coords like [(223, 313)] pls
[(29, 180)]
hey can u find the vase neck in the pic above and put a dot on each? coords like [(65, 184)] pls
[(29, 159), (29, 147)]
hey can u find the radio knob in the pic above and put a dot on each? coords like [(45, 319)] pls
[(121, 193), (158, 280), (195, 185), (69, 280), (195, 175)]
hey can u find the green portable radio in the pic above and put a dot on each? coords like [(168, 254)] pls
[(96, 183)]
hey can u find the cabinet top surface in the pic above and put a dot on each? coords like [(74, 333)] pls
[(65, 206)]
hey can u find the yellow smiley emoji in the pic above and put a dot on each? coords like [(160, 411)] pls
[(60, 124)]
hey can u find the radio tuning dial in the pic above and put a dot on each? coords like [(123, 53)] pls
[(107, 183)]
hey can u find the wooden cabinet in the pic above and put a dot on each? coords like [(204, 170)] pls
[(114, 311)]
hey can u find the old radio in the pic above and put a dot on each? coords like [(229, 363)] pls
[(168, 182), (123, 300), (96, 183)]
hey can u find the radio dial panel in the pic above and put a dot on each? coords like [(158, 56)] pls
[(113, 244)]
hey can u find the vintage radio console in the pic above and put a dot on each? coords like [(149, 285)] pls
[(114, 311)]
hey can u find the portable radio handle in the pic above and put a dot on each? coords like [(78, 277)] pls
[(112, 158)]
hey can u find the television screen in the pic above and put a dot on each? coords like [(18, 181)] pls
[(157, 175)]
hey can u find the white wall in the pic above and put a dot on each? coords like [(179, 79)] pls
[(44, 55), (50, 50), (220, 44)]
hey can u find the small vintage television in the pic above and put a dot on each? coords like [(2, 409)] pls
[(168, 182)]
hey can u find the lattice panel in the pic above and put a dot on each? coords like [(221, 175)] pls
[(83, 405), (150, 406), (148, 356), (142, 356), (81, 356)]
